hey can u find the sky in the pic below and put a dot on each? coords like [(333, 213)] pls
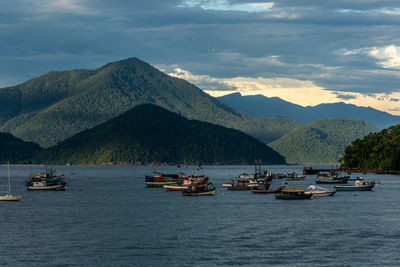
[(303, 51)]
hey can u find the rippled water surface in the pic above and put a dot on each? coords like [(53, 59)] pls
[(107, 217)]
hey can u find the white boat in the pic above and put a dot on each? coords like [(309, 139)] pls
[(8, 196), (46, 181), (318, 191)]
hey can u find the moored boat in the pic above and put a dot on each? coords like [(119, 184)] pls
[(292, 194), (199, 191), (317, 191), (329, 178), (46, 181), (161, 179), (359, 185), (267, 191), (189, 181)]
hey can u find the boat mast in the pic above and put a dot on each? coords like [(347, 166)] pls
[(9, 179)]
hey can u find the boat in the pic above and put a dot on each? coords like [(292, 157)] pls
[(199, 191), (359, 185), (46, 181), (161, 179), (331, 178), (294, 176), (264, 188), (244, 183), (317, 191), (7, 195), (292, 194), (188, 181)]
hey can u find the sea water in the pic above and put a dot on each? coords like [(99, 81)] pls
[(107, 217)]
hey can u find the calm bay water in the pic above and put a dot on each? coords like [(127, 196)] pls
[(107, 217)]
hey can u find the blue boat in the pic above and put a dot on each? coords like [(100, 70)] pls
[(359, 185)]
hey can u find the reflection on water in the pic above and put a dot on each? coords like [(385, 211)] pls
[(107, 217)]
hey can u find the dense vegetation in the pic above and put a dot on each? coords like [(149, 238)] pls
[(257, 106), (57, 105), (321, 141), (151, 134), (376, 150), (14, 150)]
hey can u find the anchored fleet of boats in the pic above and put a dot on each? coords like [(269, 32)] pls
[(259, 182)]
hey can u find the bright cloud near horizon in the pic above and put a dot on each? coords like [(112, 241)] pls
[(305, 52)]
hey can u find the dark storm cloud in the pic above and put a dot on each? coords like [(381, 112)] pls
[(298, 39)]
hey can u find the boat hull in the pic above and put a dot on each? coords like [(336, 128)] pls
[(354, 188), (324, 194), (10, 198), (47, 187), (159, 184), (292, 197), (204, 193), (175, 187), (268, 191)]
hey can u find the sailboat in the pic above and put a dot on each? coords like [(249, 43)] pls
[(8, 196)]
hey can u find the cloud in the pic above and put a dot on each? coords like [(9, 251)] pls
[(225, 5), (301, 92)]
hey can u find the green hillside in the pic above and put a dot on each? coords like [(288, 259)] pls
[(321, 141), (57, 105), (14, 150), (376, 150), (151, 134)]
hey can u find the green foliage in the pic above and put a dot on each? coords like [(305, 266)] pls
[(376, 150), (320, 141), (57, 105), (14, 150), (151, 134)]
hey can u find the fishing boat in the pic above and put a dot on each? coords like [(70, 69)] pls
[(199, 191), (292, 194), (318, 191), (359, 185), (243, 184), (188, 181), (264, 188), (161, 179), (331, 178), (46, 181), (7, 195)]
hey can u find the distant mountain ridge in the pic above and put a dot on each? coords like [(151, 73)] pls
[(321, 141), (150, 134), (257, 106), (57, 105)]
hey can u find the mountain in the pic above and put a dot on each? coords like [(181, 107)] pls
[(57, 105), (151, 134), (321, 141), (257, 106), (376, 150), (14, 150)]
